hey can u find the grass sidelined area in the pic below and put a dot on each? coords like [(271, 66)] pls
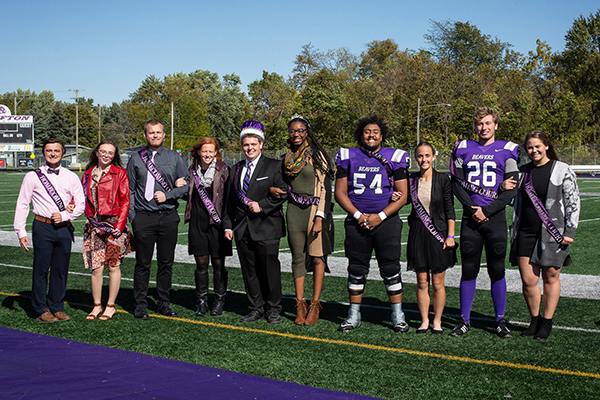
[(372, 360)]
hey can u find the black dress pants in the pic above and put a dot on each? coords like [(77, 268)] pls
[(261, 271), (150, 228)]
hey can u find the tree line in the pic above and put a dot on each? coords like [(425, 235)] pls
[(558, 92)]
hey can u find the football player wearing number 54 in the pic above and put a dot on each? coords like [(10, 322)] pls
[(366, 177)]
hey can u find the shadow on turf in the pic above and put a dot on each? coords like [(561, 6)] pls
[(374, 311)]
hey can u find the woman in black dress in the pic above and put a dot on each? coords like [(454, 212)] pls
[(206, 197), (548, 189), (431, 248)]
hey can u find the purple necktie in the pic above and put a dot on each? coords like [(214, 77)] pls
[(246, 178)]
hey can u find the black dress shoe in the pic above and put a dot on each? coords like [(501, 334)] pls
[(273, 317), (141, 313), (252, 317), (166, 310)]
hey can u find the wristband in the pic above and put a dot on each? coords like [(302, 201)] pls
[(450, 237), (382, 215), (357, 215)]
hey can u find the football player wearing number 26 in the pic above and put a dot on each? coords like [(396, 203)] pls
[(478, 168)]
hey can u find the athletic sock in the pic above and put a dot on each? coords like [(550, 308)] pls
[(499, 297), (354, 314), (467, 295), (397, 314)]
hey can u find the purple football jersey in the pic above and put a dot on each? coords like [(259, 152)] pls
[(369, 187), (484, 165)]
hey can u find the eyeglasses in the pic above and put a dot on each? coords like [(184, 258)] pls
[(300, 131), (106, 153)]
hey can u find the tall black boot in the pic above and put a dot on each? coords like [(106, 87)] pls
[(202, 291), (544, 329), (220, 280), (533, 326)]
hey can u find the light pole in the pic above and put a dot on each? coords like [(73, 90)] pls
[(419, 106), (19, 102), (76, 121)]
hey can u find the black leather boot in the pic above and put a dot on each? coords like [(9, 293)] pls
[(201, 291), (220, 279), (533, 326), (544, 329)]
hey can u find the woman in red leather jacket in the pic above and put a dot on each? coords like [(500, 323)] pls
[(105, 239)]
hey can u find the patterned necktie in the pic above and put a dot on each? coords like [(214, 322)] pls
[(53, 171), (149, 190), (246, 178)]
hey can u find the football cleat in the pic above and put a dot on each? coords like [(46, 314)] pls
[(502, 330), (460, 329)]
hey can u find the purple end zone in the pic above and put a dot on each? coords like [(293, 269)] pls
[(34, 366)]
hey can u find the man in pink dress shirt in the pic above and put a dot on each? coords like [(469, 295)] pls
[(51, 229)]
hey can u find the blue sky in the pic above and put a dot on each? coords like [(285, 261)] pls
[(109, 47)]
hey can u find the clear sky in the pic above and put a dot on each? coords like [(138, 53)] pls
[(108, 47)]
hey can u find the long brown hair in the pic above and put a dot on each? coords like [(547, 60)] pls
[(538, 134), (94, 157)]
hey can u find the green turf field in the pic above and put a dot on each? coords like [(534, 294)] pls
[(372, 360)]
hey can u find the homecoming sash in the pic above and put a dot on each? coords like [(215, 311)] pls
[(245, 199), (56, 198), (303, 200), (103, 226), (471, 187), (158, 177), (421, 212), (383, 161), (540, 209), (210, 207)]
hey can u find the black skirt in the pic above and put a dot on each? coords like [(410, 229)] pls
[(425, 253)]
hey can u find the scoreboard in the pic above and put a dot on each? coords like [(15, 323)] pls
[(16, 133)]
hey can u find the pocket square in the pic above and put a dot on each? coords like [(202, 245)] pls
[(261, 178)]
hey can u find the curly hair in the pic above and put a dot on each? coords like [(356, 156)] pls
[(321, 159), (371, 119), (195, 150), (94, 157)]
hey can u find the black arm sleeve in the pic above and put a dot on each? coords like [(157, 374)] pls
[(461, 194), (504, 197)]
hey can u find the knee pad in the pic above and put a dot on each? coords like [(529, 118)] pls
[(356, 284), (393, 284), (467, 248), (499, 250)]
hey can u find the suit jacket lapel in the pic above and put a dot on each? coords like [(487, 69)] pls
[(256, 173)]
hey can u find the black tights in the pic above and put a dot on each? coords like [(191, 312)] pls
[(219, 275)]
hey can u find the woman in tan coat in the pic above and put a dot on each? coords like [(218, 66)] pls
[(307, 170)]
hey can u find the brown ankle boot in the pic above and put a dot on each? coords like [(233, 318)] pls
[(313, 312), (300, 312)]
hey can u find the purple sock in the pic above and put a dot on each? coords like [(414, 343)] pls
[(499, 297), (467, 295)]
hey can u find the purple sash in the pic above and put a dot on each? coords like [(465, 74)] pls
[(243, 198), (56, 198), (383, 161), (210, 207), (303, 200), (540, 209), (471, 187), (103, 226), (421, 212), (158, 177)]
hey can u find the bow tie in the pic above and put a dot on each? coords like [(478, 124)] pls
[(53, 171)]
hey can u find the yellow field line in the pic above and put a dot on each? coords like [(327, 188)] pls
[(362, 345)]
